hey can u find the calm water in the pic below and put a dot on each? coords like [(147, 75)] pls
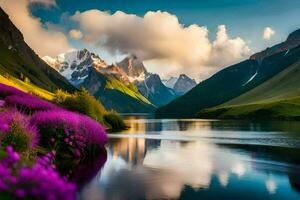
[(199, 159)]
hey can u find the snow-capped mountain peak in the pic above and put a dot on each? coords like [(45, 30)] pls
[(181, 84), (75, 65)]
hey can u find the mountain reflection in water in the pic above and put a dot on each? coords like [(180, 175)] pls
[(198, 159)]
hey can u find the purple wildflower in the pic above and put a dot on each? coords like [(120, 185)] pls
[(9, 117), (40, 181), (69, 129)]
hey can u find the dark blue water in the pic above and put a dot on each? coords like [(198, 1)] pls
[(200, 159)]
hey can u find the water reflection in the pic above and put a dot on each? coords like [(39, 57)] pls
[(161, 168)]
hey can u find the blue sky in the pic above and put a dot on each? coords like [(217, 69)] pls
[(243, 20)]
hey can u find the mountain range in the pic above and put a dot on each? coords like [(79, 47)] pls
[(125, 86), (209, 97)]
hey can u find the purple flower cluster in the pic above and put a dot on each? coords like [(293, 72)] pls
[(22, 101), (13, 116), (6, 90), (27, 121), (70, 130), (36, 182)]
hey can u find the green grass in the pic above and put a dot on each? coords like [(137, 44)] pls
[(284, 109)]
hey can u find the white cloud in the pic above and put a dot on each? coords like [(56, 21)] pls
[(43, 40), (75, 34), (160, 39), (268, 33), (45, 3)]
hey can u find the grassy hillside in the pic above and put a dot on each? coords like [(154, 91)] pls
[(283, 86), (228, 84), (130, 90), (27, 87), (284, 109), (115, 95), (277, 98), (20, 61)]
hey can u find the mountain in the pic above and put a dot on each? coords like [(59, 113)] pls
[(149, 85), (134, 68), (115, 95), (75, 65), (180, 85), (108, 83), (292, 41), (229, 83), (184, 84), (20, 61), (155, 91), (277, 98)]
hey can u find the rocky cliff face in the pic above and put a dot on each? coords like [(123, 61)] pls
[(134, 68), (153, 89), (292, 41), (26, 61)]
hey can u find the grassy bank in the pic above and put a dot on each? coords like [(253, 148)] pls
[(288, 109)]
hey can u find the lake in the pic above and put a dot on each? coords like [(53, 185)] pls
[(199, 159)]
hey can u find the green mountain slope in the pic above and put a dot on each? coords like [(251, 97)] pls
[(230, 83), (115, 95), (20, 61), (283, 86), (277, 98)]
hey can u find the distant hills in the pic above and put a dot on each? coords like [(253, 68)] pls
[(209, 97), (20, 61)]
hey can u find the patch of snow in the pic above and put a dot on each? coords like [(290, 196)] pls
[(287, 51), (250, 79), (139, 78)]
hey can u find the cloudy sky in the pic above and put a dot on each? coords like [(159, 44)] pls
[(196, 37)]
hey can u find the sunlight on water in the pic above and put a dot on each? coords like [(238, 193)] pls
[(199, 159)]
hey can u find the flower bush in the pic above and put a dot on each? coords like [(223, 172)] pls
[(40, 181), (17, 131), (28, 104), (30, 126), (69, 132)]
